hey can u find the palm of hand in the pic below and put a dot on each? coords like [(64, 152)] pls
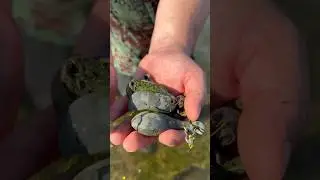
[(178, 73)]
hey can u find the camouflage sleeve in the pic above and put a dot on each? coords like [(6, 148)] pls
[(131, 25)]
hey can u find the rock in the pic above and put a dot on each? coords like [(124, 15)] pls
[(152, 124), (90, 119), (154, 101)]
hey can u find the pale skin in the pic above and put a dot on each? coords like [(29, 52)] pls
[(257, 57), (33, 145)]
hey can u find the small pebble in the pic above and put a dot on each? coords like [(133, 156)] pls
[(139, 170)]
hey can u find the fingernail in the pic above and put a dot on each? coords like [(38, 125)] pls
[(177, 140)]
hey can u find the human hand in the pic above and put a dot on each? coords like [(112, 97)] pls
[(180, 74), (257, 58)]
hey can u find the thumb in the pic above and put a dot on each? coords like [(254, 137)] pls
[(194, 92), (193, 104)]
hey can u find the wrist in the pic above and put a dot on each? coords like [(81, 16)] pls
[(167, 44), (178, 24)]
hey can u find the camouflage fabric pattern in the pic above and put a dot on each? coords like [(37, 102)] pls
[(131, 24)]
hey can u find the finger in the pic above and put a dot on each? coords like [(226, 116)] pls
[(172, 137), (194, 91), (119, 107), (118, 135), (135, 141)]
